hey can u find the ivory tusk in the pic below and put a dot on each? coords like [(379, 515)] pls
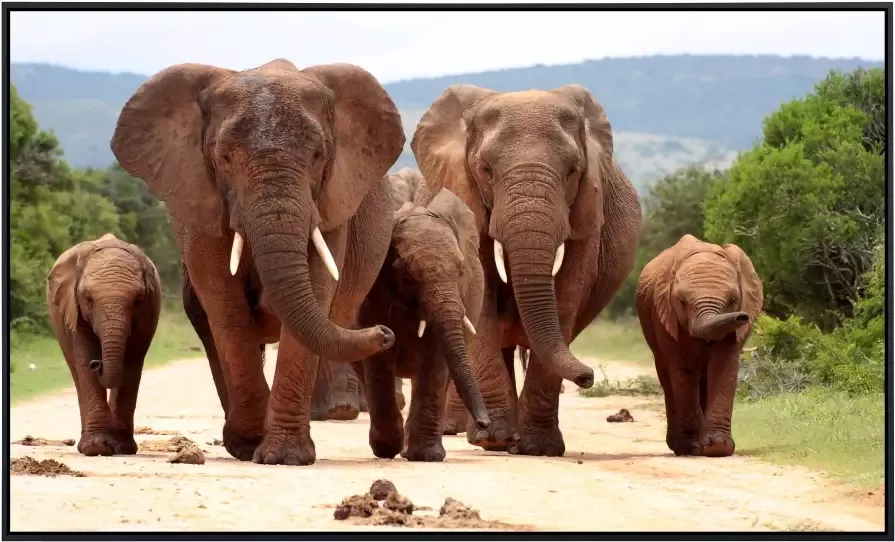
[(420, 330), (468, 325), (323, 250), (235, 253), (498, 261), (557, 262)]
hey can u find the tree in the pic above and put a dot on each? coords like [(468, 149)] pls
[(807, 203), (673, 207)]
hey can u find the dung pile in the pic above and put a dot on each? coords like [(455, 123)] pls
[(185, 450), (48, 467), (35, 441), (383, 505), (620, 417)]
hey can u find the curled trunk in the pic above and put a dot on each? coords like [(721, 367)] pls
[(711, 326), (279, 224), (449, 326)]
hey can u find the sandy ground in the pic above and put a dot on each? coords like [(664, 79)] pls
[(614, 476)]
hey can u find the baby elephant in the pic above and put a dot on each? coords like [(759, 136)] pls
[(429, 291), (103, 297), (696, 303)]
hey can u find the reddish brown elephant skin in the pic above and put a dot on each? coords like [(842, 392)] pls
[(537, 169), (276, 155), (432, 274), (103, 299), (696, 302)]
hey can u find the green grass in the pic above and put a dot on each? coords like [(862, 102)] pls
[(609, 340), (174, 339), (820, 429)]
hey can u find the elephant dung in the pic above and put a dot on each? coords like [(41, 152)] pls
[(621, 416), (47, 467), (381, 488)]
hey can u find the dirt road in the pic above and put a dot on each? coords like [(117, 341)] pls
[(615, 476)]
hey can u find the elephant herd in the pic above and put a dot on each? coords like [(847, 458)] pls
[(517, 230)]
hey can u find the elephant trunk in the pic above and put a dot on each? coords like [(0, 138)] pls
[(448, 314), (113, 334), (279, 223), (711, 325), (531, 231)]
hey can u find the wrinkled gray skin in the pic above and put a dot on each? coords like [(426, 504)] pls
[(696, 303), (103, 298), (432, 274)]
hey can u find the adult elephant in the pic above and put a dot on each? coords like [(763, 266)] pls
[(537, 169), (288, 164)]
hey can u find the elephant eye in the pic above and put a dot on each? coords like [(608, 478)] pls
[(733, 300), (486, 170)]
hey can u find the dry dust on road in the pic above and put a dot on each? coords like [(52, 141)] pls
[(614, 476)]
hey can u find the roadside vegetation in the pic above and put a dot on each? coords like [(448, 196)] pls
[(807, 206)]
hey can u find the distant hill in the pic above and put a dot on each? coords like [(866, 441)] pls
[(666, 111)]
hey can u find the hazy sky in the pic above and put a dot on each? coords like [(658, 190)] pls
[(401, 45)]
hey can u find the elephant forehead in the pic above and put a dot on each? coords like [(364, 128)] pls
[(707, 266), (266, 109), (110, 265)]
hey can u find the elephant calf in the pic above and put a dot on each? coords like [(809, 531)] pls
[(104, 298), (696, 303), (429, 291)]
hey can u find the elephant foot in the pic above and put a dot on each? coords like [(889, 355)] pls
[(498, 437), (386, 444), (319, 413), (429, 452), (240, 443), (541, 441), (455, 420), (362, 404), (399, 398), (286, 449), (718, 444), (344, 411), (686, 446), (93, 443)]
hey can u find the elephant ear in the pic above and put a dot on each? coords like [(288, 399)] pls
[(404, 184), (367, 139), (654, 290), (453, 211), (751, 289), (62, 283), (439, 142), (586, 215), (159, 138)]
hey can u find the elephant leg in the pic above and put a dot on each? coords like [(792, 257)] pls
[(455, 416), (320, 399), (688, 413), (721, 383), (100, 434), (399, 393), (422, 433), (199, 320), (337, 393), (539, 413), (344, 392), (671, 420), (234, 336), (123, 400), (539, 400), (386, 421), (491, 375), (287, 427), (362, 393)]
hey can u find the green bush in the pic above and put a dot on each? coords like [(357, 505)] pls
[(792, 354)]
